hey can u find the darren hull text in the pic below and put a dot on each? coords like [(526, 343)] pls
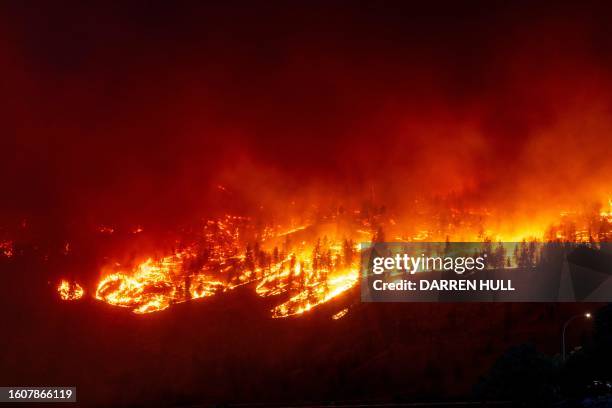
[(445, 285)]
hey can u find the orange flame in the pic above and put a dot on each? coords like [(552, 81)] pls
[(70, 290), (307, 270)]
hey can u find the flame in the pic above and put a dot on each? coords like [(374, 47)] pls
[(317, 292), (307, 276), (7, 249), (312, 277), (607, 215), (69, 290), (155, 285), (304, 265), (339, 315)]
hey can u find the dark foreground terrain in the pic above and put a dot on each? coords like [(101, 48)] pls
[(227, 350)]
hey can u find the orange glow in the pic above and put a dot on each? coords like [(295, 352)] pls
[(104, 229), (339, 315), (304, 265), (70, 290), (6, 249), (311, 277), (155, 285)]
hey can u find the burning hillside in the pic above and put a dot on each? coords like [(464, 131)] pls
[(187, 187), (218, 261), (70, 290), (301, 266)]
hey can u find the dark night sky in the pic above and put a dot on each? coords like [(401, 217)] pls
[(116, 110)]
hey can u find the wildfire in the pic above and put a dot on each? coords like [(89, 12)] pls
[(317, 292), (305, 275), (303, 265), (311, 277), (155, 285), (70, 290), (607, 215)]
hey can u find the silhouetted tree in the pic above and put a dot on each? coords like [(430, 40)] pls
[(499, 256), (249, 261), (379, 235), (348, 252), (447, 246), (521, 375)]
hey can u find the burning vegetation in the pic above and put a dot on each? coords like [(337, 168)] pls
[(519, 128), (69, 290), (306, 264), (220, 259)]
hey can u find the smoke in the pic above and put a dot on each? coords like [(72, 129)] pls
[(139, 116)]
